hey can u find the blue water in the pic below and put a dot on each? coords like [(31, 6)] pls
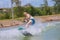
[(49, 31), (52, 34)]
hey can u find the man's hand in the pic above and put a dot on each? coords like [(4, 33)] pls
[(25, 21)]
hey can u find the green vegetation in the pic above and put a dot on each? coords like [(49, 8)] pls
[(34, 11), (44, 9), (57, 6)]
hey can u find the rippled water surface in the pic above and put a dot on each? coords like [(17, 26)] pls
[(45, 31)]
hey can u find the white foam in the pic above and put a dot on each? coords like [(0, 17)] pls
[(9, 34)]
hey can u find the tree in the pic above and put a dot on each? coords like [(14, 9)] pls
[(17, 5), (30, 9), (18, 11), (57, 6), (17, 2)]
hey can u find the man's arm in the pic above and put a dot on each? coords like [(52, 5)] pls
[(27, 25)]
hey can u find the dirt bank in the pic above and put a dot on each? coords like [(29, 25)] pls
[(49, 18), (11, 23)]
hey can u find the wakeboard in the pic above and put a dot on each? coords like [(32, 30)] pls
[(25, 33)]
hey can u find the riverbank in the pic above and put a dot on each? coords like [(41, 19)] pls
[(49, 18), (18, 21), (9, 23)]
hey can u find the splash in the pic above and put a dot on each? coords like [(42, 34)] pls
[(14, 34)]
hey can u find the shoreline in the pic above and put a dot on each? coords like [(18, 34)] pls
[(9, 23), (49, 18), (15, 22)]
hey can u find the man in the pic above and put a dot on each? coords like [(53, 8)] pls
[(28, 19)]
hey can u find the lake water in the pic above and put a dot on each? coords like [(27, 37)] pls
[(48, 31)]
